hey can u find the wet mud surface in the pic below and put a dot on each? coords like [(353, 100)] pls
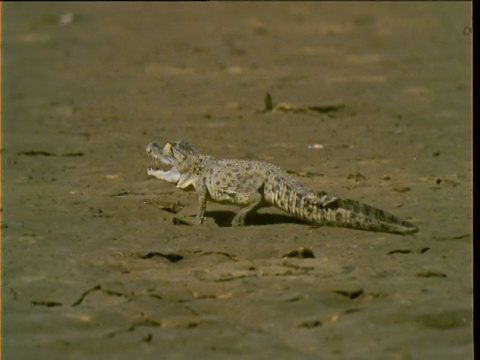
[(368, 101)]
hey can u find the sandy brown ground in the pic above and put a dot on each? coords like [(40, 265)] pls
[(94, 268)]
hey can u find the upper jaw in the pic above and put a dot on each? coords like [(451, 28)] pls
[(157, 153)]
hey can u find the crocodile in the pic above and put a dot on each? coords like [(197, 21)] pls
[(256, 184)]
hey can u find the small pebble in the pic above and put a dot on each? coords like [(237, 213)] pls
[(66, 18)]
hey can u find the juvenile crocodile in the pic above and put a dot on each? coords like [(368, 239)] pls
[(256, 184)]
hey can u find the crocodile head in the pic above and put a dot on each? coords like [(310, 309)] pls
[(172, 154)]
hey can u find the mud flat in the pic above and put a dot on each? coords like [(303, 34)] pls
[(368, 101)]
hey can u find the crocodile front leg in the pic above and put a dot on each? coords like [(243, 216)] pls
[(202, 204)]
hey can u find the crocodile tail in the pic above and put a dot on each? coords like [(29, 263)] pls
[(324, 209), (355, 214)]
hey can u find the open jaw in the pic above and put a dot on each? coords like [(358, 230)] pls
[(172, 174)]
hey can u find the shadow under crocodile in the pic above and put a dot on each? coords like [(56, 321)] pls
[(224, 218)]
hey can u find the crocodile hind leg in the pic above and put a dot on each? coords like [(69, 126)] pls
[(253, 202)]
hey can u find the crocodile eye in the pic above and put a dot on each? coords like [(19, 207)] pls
[(167, 148)]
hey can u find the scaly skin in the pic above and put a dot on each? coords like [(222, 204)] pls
[(255, 184)]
